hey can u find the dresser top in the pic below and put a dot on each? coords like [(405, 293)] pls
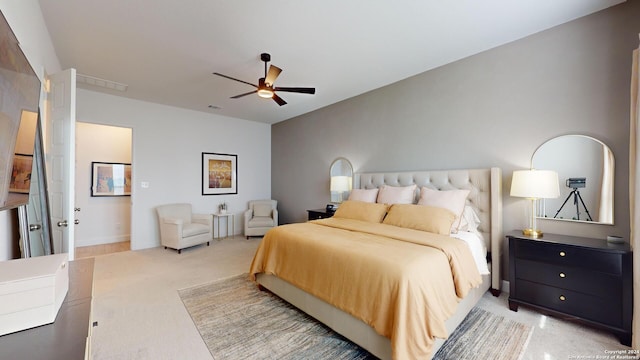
[(595, 243)]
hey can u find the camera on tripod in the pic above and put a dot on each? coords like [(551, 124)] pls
[(576, 183)]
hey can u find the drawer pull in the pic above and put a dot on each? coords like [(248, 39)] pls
[(562, 253), (562, 298), (562, 275)]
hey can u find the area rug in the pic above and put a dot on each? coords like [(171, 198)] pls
[(484, 335), (238, 321)]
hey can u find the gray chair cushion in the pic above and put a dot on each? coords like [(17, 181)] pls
[(194, 229), (261, 221)]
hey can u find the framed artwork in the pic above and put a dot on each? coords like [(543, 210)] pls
[(21, 174), (110, 179), (219, 174)]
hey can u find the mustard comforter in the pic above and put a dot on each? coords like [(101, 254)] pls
[(404, 283)]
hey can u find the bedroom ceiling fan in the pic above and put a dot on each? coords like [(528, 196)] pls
[(265, 88)]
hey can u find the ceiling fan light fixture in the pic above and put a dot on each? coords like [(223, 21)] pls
[(265, 88), (265, 93)]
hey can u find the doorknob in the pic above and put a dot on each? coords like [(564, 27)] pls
[(63, 223), (34, 227)]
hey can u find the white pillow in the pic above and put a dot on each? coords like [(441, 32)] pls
[(366, 195), (453, 200), (262, 209), (396, 194), (470, 220)]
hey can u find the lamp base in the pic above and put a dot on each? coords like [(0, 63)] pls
[(532, 233)]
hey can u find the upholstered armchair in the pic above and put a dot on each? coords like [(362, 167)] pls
[(261, 216), (179, 228)]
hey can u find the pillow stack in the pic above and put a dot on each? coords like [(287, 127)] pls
[(441, 212)]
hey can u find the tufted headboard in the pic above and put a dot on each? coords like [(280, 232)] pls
[(485, 198)]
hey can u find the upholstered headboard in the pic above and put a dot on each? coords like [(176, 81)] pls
[(485, 198)]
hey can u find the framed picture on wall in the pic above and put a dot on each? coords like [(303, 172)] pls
[(21, 174), (110, 179), (219, 174)]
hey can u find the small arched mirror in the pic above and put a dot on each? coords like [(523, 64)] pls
[(341, 181), (585, 168)]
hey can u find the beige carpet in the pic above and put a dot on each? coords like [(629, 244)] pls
[(237, 321)]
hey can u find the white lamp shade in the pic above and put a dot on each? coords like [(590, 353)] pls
[(340, 183), (535, 184)]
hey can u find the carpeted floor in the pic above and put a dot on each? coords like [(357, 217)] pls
[(237, 321)]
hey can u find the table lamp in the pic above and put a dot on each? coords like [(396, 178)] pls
[(340, 184), (533, 185)]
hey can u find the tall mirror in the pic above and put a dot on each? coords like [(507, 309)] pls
[(28, 189), (585, 168), (341, 182)]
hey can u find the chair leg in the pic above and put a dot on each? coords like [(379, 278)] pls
[(207, 243), (179, 251), (165, 248)]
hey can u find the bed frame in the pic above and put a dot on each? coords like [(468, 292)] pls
[(486, 199)]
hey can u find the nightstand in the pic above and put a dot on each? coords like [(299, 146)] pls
[(578, 278), (320, 214)]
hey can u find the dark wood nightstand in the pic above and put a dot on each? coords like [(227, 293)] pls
[(316, 214), (578, 278)]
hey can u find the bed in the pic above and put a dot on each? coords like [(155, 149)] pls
[(363, 326)]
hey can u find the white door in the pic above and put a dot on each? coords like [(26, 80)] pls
[(60, 150)]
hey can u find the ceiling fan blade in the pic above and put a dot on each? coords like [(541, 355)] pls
[(302, 90), (279, 100), (230, 78), (274, 71), (245, 94)]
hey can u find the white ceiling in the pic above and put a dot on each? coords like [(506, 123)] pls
[(167, 50)]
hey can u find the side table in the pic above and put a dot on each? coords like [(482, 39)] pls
[(227, 216), (316, 214)]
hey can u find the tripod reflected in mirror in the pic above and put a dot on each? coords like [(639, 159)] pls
[(575, 184)]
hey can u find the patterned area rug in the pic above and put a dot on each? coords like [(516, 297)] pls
[(484, 335), (238, 321)]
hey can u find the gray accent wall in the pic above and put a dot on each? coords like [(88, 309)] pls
[(491, 109)]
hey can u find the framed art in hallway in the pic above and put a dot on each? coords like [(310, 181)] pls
[(21, 173), (219, 174), (110, 179)]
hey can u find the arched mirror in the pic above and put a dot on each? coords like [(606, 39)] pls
[(341, 182), (585, 168)]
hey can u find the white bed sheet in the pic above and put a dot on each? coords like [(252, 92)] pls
[(477, 247)]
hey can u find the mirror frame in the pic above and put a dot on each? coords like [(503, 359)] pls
[(542, 203)]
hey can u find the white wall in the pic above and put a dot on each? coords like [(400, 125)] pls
[(168, 143), (103, 220)]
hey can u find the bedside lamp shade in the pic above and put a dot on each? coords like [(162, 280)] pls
[(340, 184), (534, 185)]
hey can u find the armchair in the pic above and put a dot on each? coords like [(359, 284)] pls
[(179, 228), (261, 216)]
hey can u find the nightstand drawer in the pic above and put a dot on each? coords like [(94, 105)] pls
[(319, 214), (569, 256), (585, 281), (571, 302)]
